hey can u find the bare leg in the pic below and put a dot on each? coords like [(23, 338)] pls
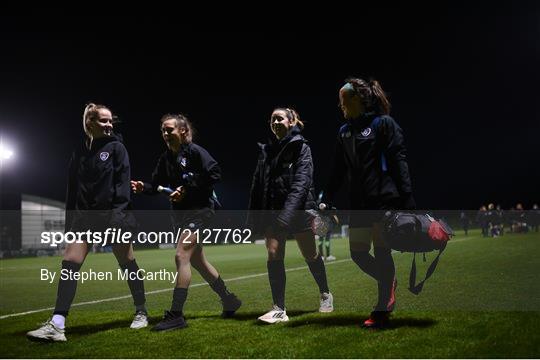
[(199, 262), (360, 244), (184, 250), (306, 243)]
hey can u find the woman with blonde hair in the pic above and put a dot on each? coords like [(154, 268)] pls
[(98, 197)]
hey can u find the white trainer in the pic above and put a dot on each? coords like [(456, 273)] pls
[(140, 320), (327, 303), (274, 316), (47, 332), (330, 258)]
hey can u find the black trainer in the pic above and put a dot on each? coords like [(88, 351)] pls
[(230, 304), (171, 321)]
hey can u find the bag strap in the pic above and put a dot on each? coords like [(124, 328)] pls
[(416, 289)]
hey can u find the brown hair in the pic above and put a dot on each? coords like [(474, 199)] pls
[(292, 116), (91, 113), (181, 121), (372, 95)]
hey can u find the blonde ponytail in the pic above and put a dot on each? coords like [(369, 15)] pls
[(91, 113)]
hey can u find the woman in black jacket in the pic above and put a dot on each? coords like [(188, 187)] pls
[(371, 154), (98, 197), (191, 172), (283, 187)]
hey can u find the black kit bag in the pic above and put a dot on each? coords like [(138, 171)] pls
[(416, 233)]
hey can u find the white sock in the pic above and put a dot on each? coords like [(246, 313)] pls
[(59, 321)]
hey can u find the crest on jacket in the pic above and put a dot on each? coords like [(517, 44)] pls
[(104, 156), (366, 132)]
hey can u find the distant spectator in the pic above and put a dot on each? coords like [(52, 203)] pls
[(464, 222), (534, 216), (481, 219)]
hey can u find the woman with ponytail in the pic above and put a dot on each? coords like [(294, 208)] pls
[(283, 187), (371, 154), (98, 197), (190, 172)]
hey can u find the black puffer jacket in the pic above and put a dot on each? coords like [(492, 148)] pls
[(194, 168), (371, 155), (283, 179), (99, 179)]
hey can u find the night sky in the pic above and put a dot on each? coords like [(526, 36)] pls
[(464, 85)]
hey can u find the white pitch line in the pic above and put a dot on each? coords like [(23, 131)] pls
[(158, 291), (191, 286)]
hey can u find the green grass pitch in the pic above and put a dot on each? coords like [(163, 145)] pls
[(483, 301)]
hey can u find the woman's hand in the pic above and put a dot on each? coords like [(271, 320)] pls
[(178, 194), (137, 186)]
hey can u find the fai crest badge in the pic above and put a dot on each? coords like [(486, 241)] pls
[(366, 132), (104, 156)]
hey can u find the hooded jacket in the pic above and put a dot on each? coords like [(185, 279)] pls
[(99, 179), (370, 153), (283, 178)]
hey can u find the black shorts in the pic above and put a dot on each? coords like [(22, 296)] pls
[(194, 219), (301, 222), (93, 220)]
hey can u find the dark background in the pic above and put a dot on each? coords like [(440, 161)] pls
[(463, 84)]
